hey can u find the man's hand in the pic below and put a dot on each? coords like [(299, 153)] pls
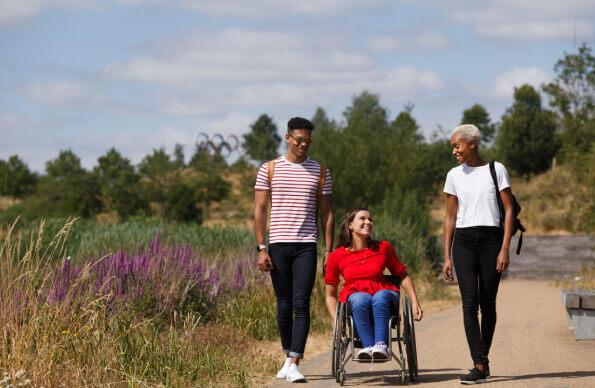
[(265, 263)]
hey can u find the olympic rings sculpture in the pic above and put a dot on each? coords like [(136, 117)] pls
[(217, 143)]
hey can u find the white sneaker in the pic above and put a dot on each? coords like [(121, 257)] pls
[(365, 353), (283, 371), (380, 351), (294, 374)]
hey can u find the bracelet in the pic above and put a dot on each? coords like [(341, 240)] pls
[(328, 250)]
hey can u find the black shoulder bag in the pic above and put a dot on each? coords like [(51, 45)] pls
[(516, 209)]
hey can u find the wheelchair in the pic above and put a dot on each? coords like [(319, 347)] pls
[(402, 331)]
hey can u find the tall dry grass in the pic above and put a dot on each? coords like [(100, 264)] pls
[(83, 339)]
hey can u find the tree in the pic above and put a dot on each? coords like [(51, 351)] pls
[(67, 188), (360, 167), (571, 95), (118, 184), (16, 179), (480, 117), (262, 142), (181, 201), (526, 139), (155, 168), (179, 156), (203, 161)]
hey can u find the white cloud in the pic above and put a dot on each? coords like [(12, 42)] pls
[(14, 121), (13, 11), (506, 82), (525, 20), (263, 9), (60, 94), (423, 41), (209, 74)]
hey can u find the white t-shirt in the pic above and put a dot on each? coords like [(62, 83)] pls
[(475, 191)]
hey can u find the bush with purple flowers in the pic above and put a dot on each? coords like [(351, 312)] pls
[(154, 281)]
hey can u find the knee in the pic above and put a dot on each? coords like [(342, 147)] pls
[(284, 307), (301, 305), (382, 298), (360, 300), (488, 307), (470, 307)]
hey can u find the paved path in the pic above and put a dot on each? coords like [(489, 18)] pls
[(533, 347)]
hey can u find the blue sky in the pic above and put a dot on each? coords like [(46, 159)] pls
[(142, 74)]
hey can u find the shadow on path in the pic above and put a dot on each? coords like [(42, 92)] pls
[(568, 375)]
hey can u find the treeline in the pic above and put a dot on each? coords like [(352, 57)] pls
[(377, 161), (161, 185)]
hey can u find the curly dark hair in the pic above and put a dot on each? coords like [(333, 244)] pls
[(299, 123)]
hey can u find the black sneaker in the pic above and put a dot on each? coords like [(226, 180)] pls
[(474, 377), (486, 368)]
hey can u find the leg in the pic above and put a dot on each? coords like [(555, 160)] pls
[(304, 274), (489, 279), (282, 277), (381, 304), (466, 266), (361, 306)]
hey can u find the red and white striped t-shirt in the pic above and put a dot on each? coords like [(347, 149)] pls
[(293, 199)]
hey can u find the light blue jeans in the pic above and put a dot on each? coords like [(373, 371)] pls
[(371, 314)]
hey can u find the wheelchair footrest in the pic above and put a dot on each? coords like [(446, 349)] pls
[(369, 361)]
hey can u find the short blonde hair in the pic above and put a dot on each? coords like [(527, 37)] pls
[(468, 132)]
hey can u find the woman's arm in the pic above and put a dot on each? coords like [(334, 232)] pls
[(452, 204), (331, 299), (407, 284), (504, 256)]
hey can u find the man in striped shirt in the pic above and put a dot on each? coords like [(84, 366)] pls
[(296, 187)]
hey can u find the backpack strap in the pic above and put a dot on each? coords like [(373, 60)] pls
[(271, 170), (321, 179)]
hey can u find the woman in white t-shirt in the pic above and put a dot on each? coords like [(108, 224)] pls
[(476, 242)]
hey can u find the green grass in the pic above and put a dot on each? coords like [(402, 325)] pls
[(90, 239)]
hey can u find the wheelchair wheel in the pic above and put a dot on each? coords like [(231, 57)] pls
[(414, 345), (409, 339), (341, 377), (336, 345)]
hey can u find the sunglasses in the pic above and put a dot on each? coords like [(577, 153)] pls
[(300, 140)]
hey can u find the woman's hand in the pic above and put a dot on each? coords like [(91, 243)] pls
[(503, 261), (447, 269), (417, 310)]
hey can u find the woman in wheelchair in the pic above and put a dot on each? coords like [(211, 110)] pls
[(361, 261)]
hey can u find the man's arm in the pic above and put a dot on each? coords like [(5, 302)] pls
[(327, 221), (261, 204)]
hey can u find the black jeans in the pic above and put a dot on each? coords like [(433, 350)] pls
[(475, 253), (293, 278)]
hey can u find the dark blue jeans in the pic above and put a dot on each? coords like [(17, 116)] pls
[(293, 278), (475, 253)]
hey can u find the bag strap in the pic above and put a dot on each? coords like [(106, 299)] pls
[(498, 198), (520, 244), (271, 170), (321, 179)]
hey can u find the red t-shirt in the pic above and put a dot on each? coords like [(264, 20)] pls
[(363, 270)]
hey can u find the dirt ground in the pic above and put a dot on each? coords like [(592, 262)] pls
[(533, 347)]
